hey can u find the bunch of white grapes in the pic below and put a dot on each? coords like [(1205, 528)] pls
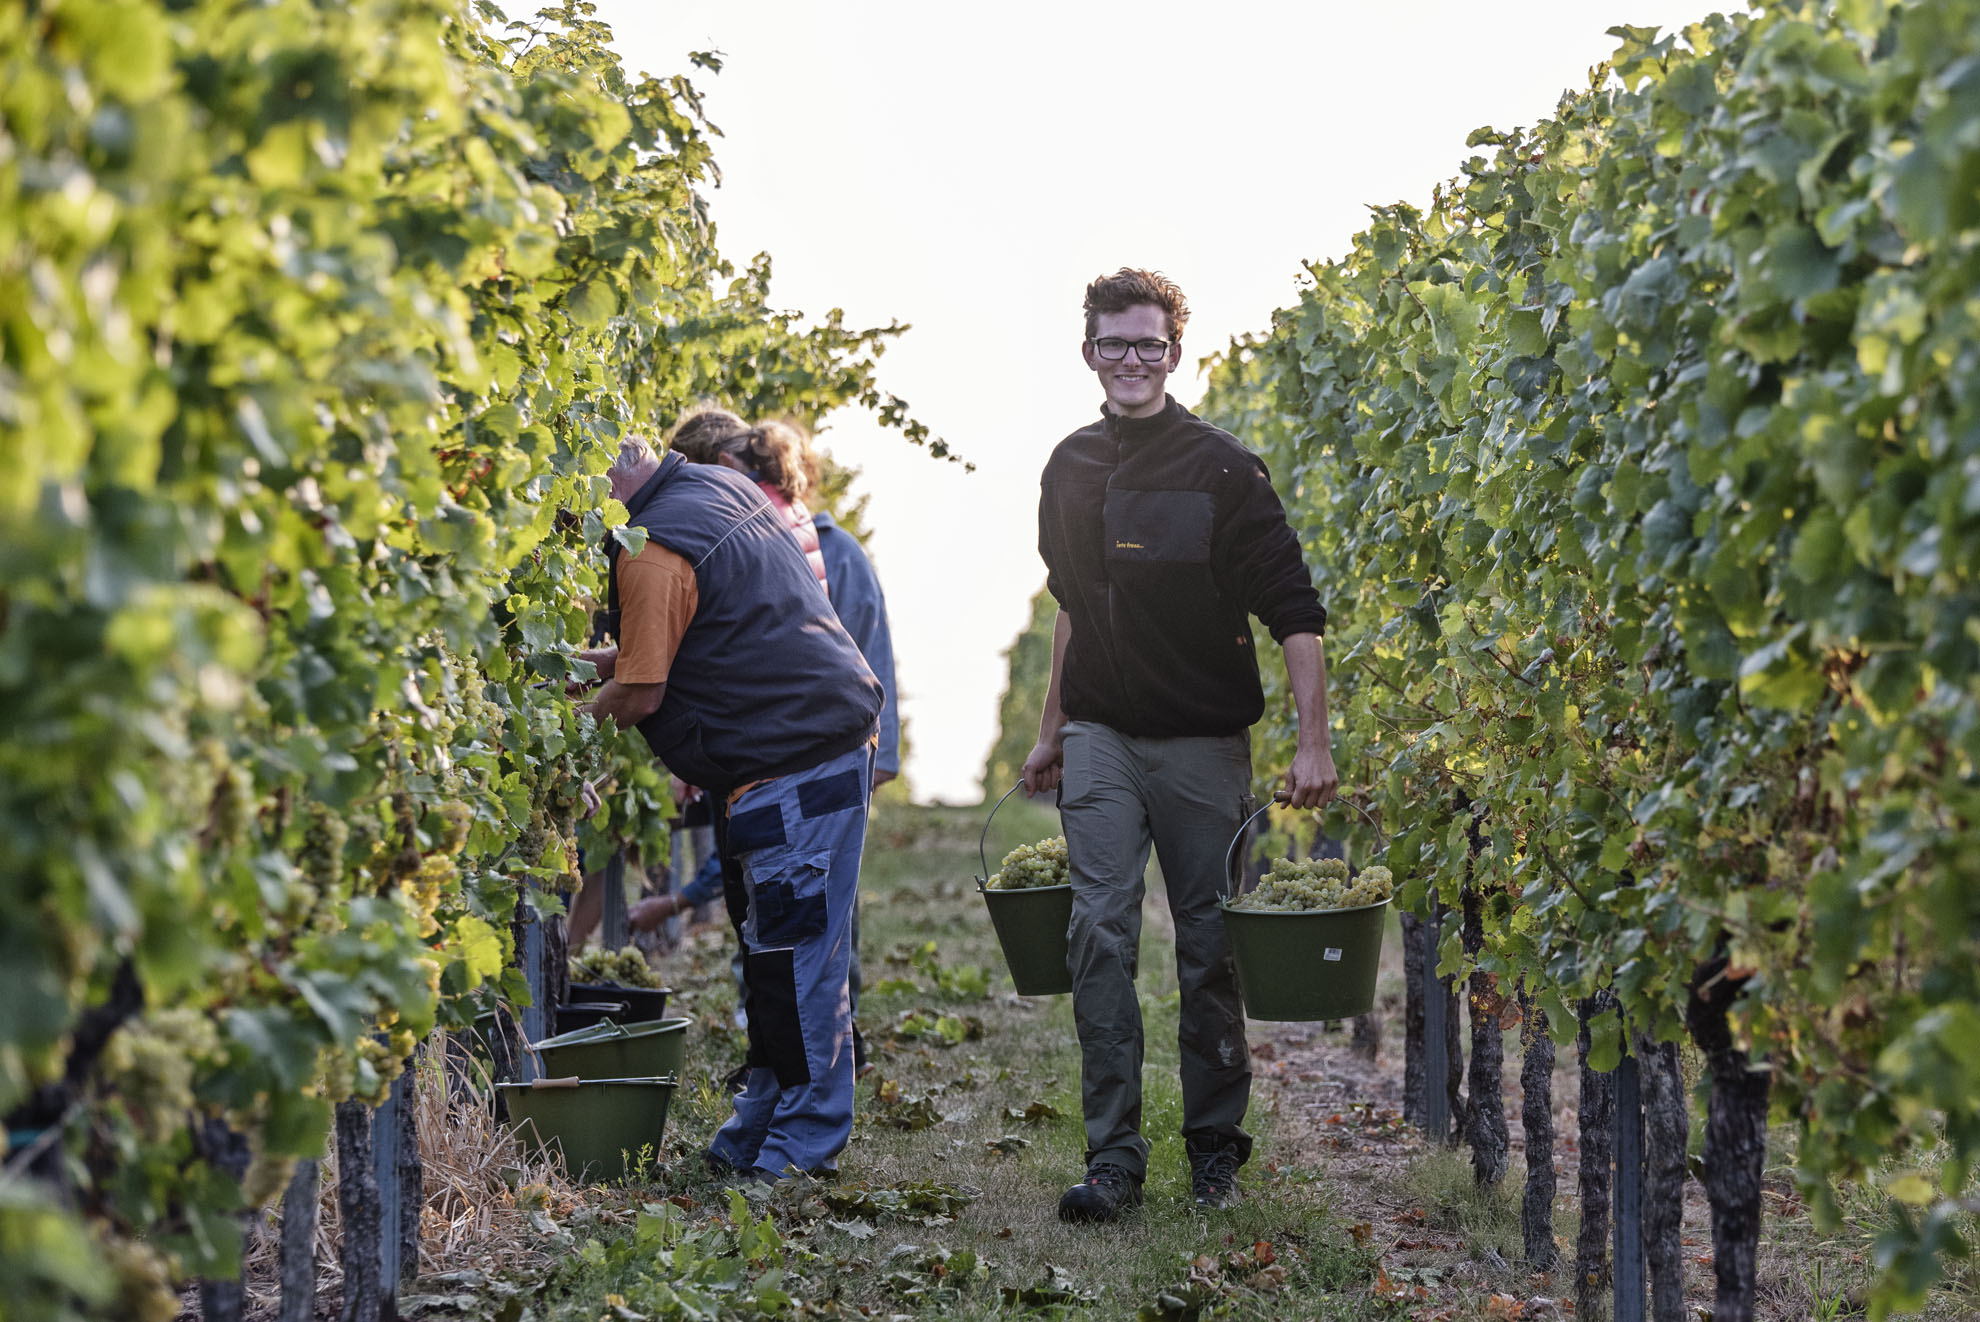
[(1030, 866), (620, 968), (1311, 885)]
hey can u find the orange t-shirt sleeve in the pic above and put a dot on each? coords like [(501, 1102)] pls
[(657, 599)]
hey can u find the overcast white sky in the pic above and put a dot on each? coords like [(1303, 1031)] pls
[(967, 168)]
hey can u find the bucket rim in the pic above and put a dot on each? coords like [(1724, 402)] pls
[(983, 888), (657, 1080), (609, 1030), (1224, 903)]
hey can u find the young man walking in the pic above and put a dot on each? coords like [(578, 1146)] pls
[(1161, 536)]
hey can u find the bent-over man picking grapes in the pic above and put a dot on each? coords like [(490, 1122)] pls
[(732, 663), (1161, 536)]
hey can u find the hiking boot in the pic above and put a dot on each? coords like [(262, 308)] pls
[(1106, 1192), (1213, 1176)]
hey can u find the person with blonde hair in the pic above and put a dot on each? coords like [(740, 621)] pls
[(774, 455)]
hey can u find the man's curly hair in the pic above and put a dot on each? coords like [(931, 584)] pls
[(1130, 287)]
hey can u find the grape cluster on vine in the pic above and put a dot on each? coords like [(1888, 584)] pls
[(1315, 885), (151, 1064), (1029, 867)]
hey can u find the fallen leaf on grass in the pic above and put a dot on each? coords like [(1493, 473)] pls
[(1007, 1145), (1180, 1303), (1504, 1308), (928, 1203), (910, 1113), (1057, 1286), (857, 1229), (1032, 1114), (1415, 1216), (1398, 1291), (942, 1030), (1361, 1232)]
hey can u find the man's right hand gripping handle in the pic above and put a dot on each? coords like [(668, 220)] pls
[(1044, 768)]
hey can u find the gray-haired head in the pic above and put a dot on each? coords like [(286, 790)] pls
[(634, 463)]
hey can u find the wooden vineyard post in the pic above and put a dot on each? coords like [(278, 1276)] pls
[(223, 1300), (539, 1014), (1368, 1036), (1485, 1111), (401, 1182), (1433, 1054), (683, 839), (379, 1196), (385, 1177), (411, 1176), (1592, 1276), (298, 1251), (1629, 1192), (357, 1207), (1666, 1134), (1735, 1144), (1436, 1092), (614, 930), (1536, 1115), (1414, 1032)]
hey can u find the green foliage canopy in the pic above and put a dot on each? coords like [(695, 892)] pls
[(1640, 469), (318, 326)]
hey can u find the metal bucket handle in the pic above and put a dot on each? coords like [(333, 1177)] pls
[(1230, 869), (983, 840), (1230, 854)]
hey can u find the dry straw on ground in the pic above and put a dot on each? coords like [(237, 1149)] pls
[(482, 1189)]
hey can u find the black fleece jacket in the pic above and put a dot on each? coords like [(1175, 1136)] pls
[(1161, 537)]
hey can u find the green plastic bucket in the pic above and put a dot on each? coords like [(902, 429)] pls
[(617, 1051), (597, 1126), (1031, 924), (1031, 927), (1307, 965)]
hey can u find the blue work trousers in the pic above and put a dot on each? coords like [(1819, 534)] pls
[(798, 840)]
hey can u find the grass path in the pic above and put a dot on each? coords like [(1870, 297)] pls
[(968, 1130), (992, 1119)]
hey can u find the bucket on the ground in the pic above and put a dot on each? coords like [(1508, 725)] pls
[(642, 1003), (1031, 925), (1303, 966), (617, 1051), (602, 1129), (583, 1014)]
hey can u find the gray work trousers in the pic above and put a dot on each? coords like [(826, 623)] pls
[(1187, 797)]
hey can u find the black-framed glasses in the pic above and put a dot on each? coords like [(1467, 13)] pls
[(1148, 351)]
